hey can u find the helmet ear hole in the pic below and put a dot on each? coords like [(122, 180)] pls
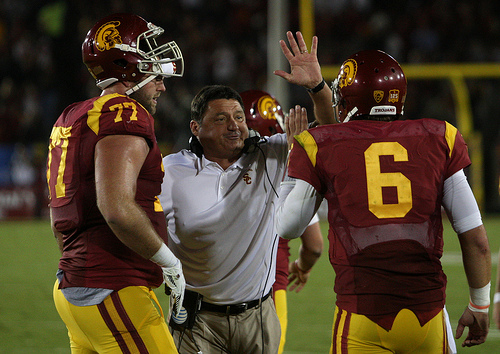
[(121, 62)]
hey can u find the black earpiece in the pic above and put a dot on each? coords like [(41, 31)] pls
[(195, 146), (251, 143)]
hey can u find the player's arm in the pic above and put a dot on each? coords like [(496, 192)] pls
[(464, 214), (309, 252), (496, 298), (295, 123), (298, 203), (305, 71), (118, 161)]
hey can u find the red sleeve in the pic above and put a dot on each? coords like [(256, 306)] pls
[(300, 164)]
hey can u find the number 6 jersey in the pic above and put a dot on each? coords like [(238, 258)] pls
[(384, 185), (93, 256)]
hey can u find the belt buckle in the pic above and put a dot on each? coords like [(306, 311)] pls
[(238, 308)]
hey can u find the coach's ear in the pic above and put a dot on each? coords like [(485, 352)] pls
[(195, 127)]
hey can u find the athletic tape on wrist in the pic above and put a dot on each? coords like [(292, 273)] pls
[(164, 257), (496, 298), (480, 298)]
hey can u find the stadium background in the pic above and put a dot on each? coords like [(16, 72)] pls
[(450, 51)]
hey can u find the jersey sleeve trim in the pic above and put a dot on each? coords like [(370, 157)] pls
[(450, 135), (306, 140), (96, 111)]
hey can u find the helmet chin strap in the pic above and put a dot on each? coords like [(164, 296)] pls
[(139, 85), (350, 114)]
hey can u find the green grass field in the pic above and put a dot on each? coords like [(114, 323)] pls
[(29, 322)]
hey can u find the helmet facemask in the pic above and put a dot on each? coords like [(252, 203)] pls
[(123, 47)]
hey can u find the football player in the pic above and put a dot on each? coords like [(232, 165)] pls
[(385, 180), (104, 174)]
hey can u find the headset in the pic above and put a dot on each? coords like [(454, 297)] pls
[(251, 143)]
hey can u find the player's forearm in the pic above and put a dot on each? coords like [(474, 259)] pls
[(311, 248), (476, 256), (307, 259), (323, 109), (134, 229)]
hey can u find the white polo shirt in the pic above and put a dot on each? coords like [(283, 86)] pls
[(221, 222)]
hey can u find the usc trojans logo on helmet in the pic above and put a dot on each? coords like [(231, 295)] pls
[(348, 73), (107, 36), (267, 107)]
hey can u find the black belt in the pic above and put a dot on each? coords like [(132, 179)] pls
[(234, 309)]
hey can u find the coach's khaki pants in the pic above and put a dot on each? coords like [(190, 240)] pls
[(256, 330)]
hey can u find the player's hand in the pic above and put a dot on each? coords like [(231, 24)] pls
[(478, 323), (175, 286), (295, 123), (297, 278), (304, 66)]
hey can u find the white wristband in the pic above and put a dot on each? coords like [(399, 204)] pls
[(496, 298), (480, 298), (164, 257)]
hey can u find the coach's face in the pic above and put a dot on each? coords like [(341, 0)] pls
[(222, 130)]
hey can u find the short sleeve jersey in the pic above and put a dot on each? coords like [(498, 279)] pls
[(93, 256), (383, 182)]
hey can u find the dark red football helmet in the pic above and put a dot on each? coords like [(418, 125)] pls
[(263, 112), (123, 47), (369, 82)]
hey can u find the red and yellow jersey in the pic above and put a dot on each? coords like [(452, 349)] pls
[(282, 256), (383, 182), (93, 256)]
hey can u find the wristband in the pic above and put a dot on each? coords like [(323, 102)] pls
[(318, 87), (480, 298), (164, 257), (496, 298)]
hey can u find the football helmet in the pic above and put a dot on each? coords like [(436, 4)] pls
[(123, 47), (369, 82), (263, 112)]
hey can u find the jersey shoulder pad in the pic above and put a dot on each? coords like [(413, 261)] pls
[(116, 114)]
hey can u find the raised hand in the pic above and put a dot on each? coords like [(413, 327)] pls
[(304, 66)]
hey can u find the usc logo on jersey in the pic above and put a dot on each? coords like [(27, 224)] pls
[(348, 73), (107, 36)]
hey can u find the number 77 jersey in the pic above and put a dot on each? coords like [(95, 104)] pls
[(384, 185), (71, 171)]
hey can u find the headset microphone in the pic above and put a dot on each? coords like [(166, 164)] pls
[(253, 141)]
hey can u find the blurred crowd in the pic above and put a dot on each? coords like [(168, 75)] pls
[(225, 41)]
